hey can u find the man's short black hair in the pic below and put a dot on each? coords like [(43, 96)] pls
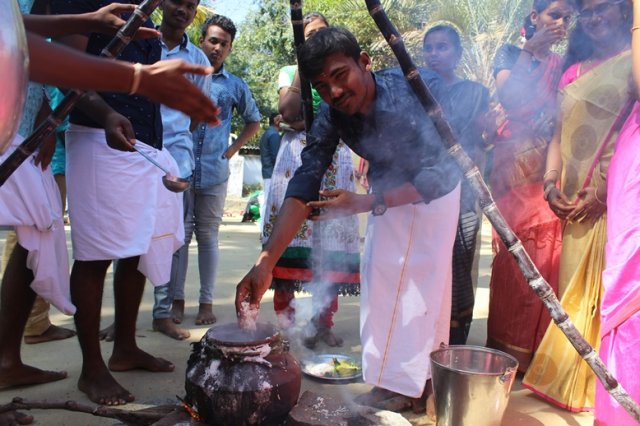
[(272, 118), (219, 21), (324, 43)]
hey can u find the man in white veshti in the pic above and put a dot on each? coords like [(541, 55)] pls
[(120, 210), (406, 267)]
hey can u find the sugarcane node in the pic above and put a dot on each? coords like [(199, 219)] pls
[(412, 74), (373, 11), (53, 121), (538, 283), (394, 40), (141, 13), (297, 21)]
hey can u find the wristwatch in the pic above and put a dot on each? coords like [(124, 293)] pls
[(379, 207)]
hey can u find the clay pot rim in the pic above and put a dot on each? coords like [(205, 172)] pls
[(220, 342)]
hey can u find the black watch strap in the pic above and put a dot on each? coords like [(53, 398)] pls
[(379, 206)]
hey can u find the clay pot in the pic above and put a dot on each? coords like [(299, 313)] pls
[(237, 377)]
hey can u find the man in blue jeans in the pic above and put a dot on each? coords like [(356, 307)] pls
[(177, 15), (204, 201)]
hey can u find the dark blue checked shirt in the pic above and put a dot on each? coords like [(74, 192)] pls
[(143, 114), (397, 138)]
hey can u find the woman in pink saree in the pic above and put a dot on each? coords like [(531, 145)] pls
[(620, 311)]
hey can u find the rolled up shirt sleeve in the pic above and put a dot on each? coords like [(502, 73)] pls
[(437, 176), (438, 173)]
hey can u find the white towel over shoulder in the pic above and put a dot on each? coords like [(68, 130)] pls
[(30, 202)]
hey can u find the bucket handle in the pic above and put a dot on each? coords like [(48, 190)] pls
[(508, 375)]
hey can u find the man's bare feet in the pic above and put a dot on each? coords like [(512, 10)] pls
[(310, 342), (167, 327), (205, 314), (107, 334), (177, 311), (384, 399), (329, 338), (431, 408), (25, 375), (101, 388), (52, 333), (324, 334), (374, 396), (397, 404), (138, 359)]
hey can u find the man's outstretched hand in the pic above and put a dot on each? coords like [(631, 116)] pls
[(338, 203), (252, 288), (165, 82)]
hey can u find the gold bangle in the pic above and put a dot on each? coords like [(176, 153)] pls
[(637, 27), (595, 194), (544, 177), (293, 89), (137, 76)]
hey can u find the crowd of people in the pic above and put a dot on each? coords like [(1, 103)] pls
[(561, 163)]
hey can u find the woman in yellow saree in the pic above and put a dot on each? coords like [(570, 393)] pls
[(593, 105)]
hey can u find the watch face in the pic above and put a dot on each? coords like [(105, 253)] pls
[(379, 209)]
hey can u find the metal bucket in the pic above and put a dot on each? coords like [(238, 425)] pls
[(471, 385)]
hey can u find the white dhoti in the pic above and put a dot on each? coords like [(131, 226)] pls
[(118, 205), (405, 300), (30, 202)]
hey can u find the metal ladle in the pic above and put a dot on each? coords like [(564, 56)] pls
[(171, 182)]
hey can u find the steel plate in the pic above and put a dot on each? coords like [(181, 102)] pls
[(321, 367)]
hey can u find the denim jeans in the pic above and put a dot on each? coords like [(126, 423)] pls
[(203, 211), (163, 294)]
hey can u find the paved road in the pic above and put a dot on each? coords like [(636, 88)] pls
[(239, 245)]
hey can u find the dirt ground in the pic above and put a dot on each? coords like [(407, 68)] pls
[(239, 245)]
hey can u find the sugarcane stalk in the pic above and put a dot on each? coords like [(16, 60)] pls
[(140, 417), (48, 126), (471, 172), (298, 39)]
